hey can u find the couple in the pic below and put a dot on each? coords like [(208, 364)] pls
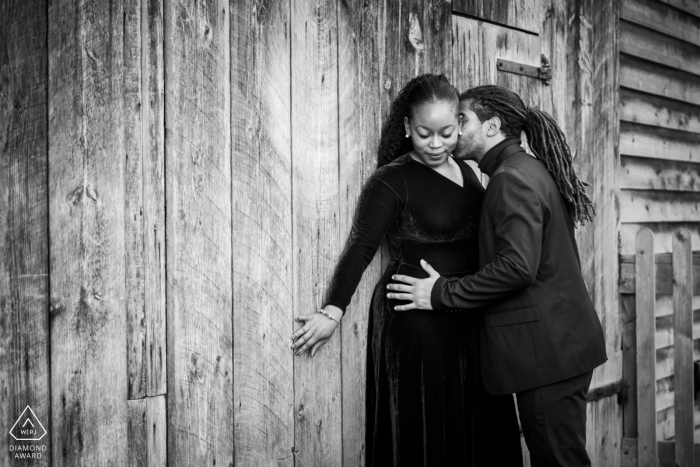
[(487, 297)]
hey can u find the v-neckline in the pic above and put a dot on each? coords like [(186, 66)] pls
[(461, 171)]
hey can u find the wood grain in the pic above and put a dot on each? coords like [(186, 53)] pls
[(521, 14), (658, 206), (359, 110), (628, 320), (656, 111), (658, 48), (659, 143), (663, 235), (653, 174), (198, 229), (599, 154), (477, 48), (147, 432), (316, 239), (644, 76), (664, 277), (263, 383), (144, 207), (86, 221), (683, 347), (654, 15), (24, 252), (646, 354), (689, 6)]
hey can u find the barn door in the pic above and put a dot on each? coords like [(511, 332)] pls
[(511, 45)]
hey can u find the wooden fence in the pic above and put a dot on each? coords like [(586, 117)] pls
[(645, 279)]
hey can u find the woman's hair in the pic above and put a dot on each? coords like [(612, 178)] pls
[(545, 138), (423, 89)]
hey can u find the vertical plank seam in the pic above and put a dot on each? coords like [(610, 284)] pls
[(230, 228), (168, 361), (291, 218), (48, 243), (340, 193)]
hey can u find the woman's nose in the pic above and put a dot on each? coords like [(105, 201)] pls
[(435, 142)]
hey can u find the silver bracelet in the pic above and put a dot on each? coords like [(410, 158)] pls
[(327, 315)]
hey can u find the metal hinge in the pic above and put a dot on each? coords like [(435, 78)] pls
[(621, 388), (543, 72)]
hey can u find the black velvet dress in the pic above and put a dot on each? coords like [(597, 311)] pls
[(425, 402)]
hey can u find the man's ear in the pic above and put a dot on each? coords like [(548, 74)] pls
[(494, 126)]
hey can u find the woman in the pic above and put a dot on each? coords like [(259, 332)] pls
[(425, 401)]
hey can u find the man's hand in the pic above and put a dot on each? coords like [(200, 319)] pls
[(414, 290)]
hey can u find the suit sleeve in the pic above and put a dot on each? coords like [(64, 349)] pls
[(517, 214)]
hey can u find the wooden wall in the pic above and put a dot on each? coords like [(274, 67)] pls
[(659, 111), (178, 178)]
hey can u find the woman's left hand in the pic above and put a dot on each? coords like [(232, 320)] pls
[(316, 331)]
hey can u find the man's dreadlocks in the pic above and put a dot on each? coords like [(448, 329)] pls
[(545, 138)]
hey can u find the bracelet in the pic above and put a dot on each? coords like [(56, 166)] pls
[(327, 315)]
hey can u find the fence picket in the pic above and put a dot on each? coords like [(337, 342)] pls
[(683, 346), (646, 352)]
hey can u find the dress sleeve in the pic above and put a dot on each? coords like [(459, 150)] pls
[(518, 220), (381, 201)]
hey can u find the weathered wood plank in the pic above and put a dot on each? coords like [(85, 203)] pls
[(604, 157), (663, 235), (316, 239), (683, 347), (477, 48), (659, 143), (263, 384), (653, 174), (664, 278), (417, 40), (590, 120), (659, 48), (86, 221), (659, 206), (144, 207), (641, 75), (359, 38), (628, 320), (688, 6), (656, 16), (646, 354), (664, 448), (525, 15), (24, 249), (198, 229), (147, 432), (657, 111), (665, 426)]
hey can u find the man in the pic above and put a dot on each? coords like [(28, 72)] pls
[(540, 335)]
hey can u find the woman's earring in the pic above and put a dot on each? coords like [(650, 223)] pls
[(407, 135), (460, 133)]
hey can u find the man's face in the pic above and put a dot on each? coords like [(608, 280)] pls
[(471, 144)]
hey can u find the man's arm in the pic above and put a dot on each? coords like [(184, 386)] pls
[(518, 217)]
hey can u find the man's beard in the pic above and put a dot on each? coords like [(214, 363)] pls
[(471, 149)]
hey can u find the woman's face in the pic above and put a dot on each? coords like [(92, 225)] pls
[(434, 130)]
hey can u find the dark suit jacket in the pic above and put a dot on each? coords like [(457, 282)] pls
[(540, 326)]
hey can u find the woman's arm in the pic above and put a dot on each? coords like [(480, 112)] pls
[(381, 201)]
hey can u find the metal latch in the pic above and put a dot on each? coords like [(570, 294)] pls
[(543, 72), (621, 388)]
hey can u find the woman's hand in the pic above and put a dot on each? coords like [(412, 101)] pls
[(316, 331)]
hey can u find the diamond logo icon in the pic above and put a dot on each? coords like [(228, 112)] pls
[(28, 427)]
